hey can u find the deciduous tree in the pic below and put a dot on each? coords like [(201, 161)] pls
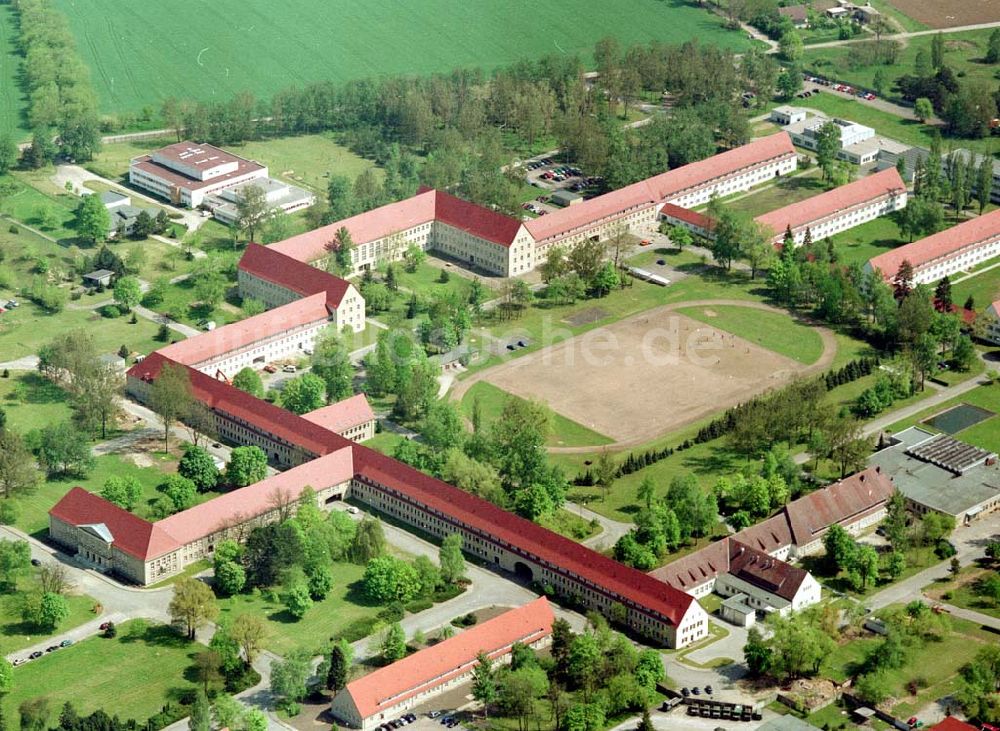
[(192, 605)]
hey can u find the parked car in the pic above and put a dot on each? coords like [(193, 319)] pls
[(352, 510), (289, 369), (105, 625), (434, 714), (65, 643), (19, 661), (35, 655), (708, 689), (696, 690), (52, 648), (645, 242), (35, 562), (685, 692)]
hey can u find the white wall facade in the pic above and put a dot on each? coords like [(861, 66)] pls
[(848, 218), (735, 182), (291, 343), (968, 256), (182, 194)]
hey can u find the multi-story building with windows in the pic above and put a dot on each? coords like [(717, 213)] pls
[(839, 209), (953, 250)]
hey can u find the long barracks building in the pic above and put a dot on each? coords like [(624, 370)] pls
[(505, 246), (337, 468)]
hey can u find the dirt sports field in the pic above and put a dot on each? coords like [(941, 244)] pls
[(646, 375), (949, 13)]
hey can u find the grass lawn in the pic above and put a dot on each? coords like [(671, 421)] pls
[(385, 442), (346, 603), (984, 288), (319, 41), (33, 509), (787, 190), (963, 54), (909, 131), (772, 330), (178, 304), (918, 558), (136, 677), (12, 101), (960, 591), (50, 212), (425, 282), (568, 524), (863, 242), (984, 434), (24, 330), (16, 634), (936, 664), (31, 401), (306, 161), (563, 432)]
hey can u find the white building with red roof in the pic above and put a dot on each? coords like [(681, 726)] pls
[(192, 174), (839, 209), (953, 250), (389, 692), (754, 562), (352, 418)]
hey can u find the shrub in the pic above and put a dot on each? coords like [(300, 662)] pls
[(14, 228), (419, 605)]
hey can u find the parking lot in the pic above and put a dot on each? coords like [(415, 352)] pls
[(550, 175)]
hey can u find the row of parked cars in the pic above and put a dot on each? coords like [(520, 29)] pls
[(696, 691), (404, 720), (9, 305), (843, 88), (38, 653)]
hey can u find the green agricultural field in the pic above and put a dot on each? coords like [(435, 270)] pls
[(134, 676), (772, 330), (16, 634), (294, 44), (12, 102), (563, 432)]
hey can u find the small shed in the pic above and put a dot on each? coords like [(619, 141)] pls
[(735, 610), (98, 278), (786, 115), (565, 198), (113, 199), (797, 14)]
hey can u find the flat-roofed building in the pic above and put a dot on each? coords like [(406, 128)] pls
[(953, 250), (839, 209), (391, 691), (805, 133), (936, 472), (194, 174)]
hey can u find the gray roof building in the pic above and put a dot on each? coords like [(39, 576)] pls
[(939, 473)]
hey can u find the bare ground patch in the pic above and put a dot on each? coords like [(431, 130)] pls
[(585, 317), (942, 14), (646, 375)]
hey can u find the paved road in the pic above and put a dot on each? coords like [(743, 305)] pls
[(909, 34), (27, 363), (78, 176)]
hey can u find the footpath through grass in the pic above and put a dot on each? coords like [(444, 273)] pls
[(563, 432), (772, 330), (131, 676)]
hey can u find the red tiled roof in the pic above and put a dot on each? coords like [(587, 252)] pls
[(696, 568), (477, 220), (364, 227), (343, 415), (761, 570), (509, 529), (266, 262), (688, 216), (283, 424), (242, 334), (950, 723), (661, 187), (669, 184), (586, 214), (387, 687), (259, 498), (130, 533), (939, 245), (862, 492), (812, 210)]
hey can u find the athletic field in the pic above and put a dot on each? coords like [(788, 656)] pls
[(143, 52)]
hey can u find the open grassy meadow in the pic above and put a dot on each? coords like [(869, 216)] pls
[(563, 432), (135, 675), (142, 53), (772, 330)]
